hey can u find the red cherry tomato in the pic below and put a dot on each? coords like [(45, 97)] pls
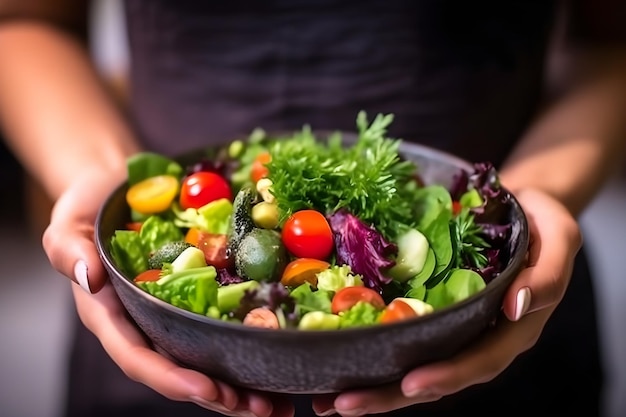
[(347, 297), (214, 247), (203, 187), (397, 310), (259, 170), (307, 234)]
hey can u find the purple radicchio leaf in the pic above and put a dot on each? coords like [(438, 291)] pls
[(363, 248), (225, 277), (494, 265), (485, 179), (460, 183), (271, 295), (220, 164), (492, 216), (495, 234)]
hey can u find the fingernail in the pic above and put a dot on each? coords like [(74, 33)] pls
[(213, 406), (420, 394), (80, 274), (354, 412), (326, 413), (522, 303)]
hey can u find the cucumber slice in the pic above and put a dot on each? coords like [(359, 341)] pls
[(412, 253)]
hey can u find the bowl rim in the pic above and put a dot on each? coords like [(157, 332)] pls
[(513, 268)]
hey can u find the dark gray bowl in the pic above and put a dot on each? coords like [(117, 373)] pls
[(291, 361)]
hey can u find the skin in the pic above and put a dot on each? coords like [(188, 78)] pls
[(53, 99)]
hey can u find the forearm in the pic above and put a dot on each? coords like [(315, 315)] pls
[(579, 138), (52, 102)]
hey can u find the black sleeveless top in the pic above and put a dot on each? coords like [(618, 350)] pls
[(464, 76)]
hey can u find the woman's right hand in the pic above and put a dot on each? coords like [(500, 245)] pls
[(69, 244)]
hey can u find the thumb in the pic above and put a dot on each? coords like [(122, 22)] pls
[(68, 241), (555, 239), (74, 254)]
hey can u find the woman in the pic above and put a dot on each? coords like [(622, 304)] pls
[(464, 77)]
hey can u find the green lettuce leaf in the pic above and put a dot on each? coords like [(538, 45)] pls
[(192, 289), (156, 231), (128, 253)]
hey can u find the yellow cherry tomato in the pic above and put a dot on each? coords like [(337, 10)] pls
[(152, 195)]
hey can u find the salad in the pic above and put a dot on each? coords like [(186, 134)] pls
[(297, 232)]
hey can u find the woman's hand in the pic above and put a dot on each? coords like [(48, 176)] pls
[(69, 244), (554, 241)]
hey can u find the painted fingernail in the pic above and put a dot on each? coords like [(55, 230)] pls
[(420, 394), (354, 412), (326, 413), (80, 274), (213, 406), (522, 303)]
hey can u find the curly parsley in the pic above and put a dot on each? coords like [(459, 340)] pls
[(368, 178)]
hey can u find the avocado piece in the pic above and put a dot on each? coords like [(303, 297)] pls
[(241, 219), (229, 296), (167, 253), (261, 256), (319, 320), (191, 257)]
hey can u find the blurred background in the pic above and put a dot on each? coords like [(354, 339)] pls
[(35, 302)]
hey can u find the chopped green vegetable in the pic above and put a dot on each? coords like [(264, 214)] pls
[(337, 277), (144, 165), (466, 240), (319, 320), (192, 289), (308, 299), (167, 253), (156, 231), (128, 252), (360, 315), (367, 178), (214, 217), (413, 249)]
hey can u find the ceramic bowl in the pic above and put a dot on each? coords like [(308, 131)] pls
[(300, 362)]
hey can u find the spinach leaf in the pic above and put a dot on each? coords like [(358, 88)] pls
[(148, 164), (438, 235)]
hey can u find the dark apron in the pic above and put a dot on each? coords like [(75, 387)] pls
[(458, 75)]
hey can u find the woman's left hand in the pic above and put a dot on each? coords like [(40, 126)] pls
[(555, 239)]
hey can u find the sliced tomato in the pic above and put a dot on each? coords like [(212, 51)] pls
[(259, 169), (134, 226), (301, 270), (307, 234), (456, 207), (148, 275), (347, 297), (215, 250), (397, 310), (152, 195), (203, 187)]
